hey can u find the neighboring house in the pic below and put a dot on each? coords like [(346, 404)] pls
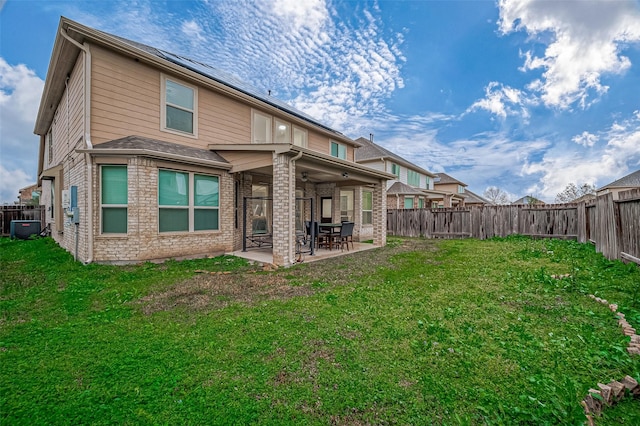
[(455, 190), (28, 195), (148, 155), (412, 186), (625, 183), (474, 199), (528, 200)]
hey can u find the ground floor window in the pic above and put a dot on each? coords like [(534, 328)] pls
[(408, 202), (346, 206), (187, 201), (113, 199), (367, 207)]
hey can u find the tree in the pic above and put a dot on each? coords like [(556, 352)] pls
[(496, 195), (572, 192)]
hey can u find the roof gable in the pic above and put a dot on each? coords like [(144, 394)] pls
[(369, 150), (71, 35), (632, 180), (445, 178)]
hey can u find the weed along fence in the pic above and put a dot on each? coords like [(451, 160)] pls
[(612, 225)]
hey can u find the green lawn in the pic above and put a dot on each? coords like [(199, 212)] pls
[(418, 332)]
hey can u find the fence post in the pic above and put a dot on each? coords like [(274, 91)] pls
[(581, 214)]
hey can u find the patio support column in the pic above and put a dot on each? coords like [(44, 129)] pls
[(380, 213), (284, 195)]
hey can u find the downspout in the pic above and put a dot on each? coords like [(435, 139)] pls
[(87, 138)]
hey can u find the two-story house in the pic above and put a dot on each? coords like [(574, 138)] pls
[(145, 154), (411, 186), (454, 190)]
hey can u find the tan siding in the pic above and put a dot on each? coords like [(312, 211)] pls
[(126, 101), (319, 143), (223, 120), (247, 161)]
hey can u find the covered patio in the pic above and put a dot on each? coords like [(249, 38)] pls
[(265, 255), (283, 174)]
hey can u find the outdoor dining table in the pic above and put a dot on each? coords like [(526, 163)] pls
[(331, 227)]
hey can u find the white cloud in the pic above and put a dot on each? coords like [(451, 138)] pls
[(12, 181), (193, 30), (20, 91), (587, 40), (502, 100), (585, 139), (562, 166)]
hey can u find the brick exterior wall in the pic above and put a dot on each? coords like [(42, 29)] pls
[(283, 210), (143, 241)]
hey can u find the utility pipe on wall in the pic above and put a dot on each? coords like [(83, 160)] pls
[(87, 137)]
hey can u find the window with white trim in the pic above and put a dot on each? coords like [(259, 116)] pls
[(367, 207), (179, 112), (299, 137), (395, 169), (408, 202), (282, 132), (346, 206), (113, 199), (261, 128), (460, 189), (338, 150), (428, 183), (187, 202), (413, 178)]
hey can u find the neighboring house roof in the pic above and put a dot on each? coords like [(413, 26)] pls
[(445, 178), (527, 199), (400, 188), (159, 149), (630, 180), (369, 150), (473, 198), (79, 33)]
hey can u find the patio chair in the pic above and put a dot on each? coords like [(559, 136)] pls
[(346, 234), (324, 238)]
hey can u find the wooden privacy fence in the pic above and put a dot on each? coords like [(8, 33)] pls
[(9, 213), (612, 225)]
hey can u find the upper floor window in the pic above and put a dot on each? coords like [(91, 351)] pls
[(268, 129), (395, 169), (460, 189), (299, 137), (179, 107), (338, 150), (428, 181), (282, 132), (50, 145), (261, 128), (113, 199), (413, 178)]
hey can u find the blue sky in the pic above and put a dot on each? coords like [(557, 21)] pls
[(528, 95)]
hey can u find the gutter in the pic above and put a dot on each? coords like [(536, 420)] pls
[(155, 154), (87, 137)]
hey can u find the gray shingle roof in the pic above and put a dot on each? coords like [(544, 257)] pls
[(139, 142), (630, 180), (445, 178), (402, 188), (370, 150), (472, 197)]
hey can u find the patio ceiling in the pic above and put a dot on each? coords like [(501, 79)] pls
[(312, 166)]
